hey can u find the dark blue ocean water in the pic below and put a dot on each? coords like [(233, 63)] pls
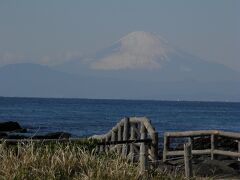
[(83, 117)]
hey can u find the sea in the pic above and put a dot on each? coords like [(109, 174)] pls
[(85, 117)]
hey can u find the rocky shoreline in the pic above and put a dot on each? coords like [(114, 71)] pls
[(13, 130)]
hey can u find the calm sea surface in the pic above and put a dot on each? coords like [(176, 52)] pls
[(83, 117)]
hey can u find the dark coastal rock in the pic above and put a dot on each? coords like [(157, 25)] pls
[(235, 164), (9, 129), (55, 135), (227, 144), (214, 168), (166, 167), (11, 126), (205, 167), (3, 135), (198, 143), (16, 136), (222, 143)]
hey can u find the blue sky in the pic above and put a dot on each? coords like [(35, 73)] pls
[(33, 30)]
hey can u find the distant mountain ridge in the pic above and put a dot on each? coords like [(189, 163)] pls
[(32, 80)]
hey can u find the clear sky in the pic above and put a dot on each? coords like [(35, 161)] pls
[(34, 30)]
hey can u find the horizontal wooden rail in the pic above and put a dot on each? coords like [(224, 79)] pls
[(148, 141), (194, 152), (212, 134), (226, 153), (234, 135), (145, 122), (190, 133)]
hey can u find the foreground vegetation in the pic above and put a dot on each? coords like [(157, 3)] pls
[(69, 161)]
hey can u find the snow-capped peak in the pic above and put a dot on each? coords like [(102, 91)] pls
[(136, 50)]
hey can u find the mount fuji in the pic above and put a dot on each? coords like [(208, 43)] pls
[(140, 65), (144, 56)]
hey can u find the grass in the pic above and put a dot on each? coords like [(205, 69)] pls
[(69, 161)]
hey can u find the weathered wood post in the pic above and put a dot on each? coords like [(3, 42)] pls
[(188, 160), (190, 140), (143, 155), (212, 146), (154, 147), (113, 138), (107, 147), (165, 147), (119, 148), (132, 137), (125, 148)]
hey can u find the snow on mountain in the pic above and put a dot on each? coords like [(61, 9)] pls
[(135, 50)]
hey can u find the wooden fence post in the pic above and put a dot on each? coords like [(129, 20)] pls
[(165, 147), (132, 137), (143, 155), (107, 147), (212, 146), (125, 148), (188, 160), (191, 140), (154, 147), (113, 138), (119, 148)]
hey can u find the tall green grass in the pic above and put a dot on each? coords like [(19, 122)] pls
[(69, 161)]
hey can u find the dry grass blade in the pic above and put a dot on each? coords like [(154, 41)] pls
[(68, 161)]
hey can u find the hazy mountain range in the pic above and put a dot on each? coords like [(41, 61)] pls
[(138, 66)]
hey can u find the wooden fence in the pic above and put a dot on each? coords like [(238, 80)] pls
[(137, 140), (212, 134), (133, 138)]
